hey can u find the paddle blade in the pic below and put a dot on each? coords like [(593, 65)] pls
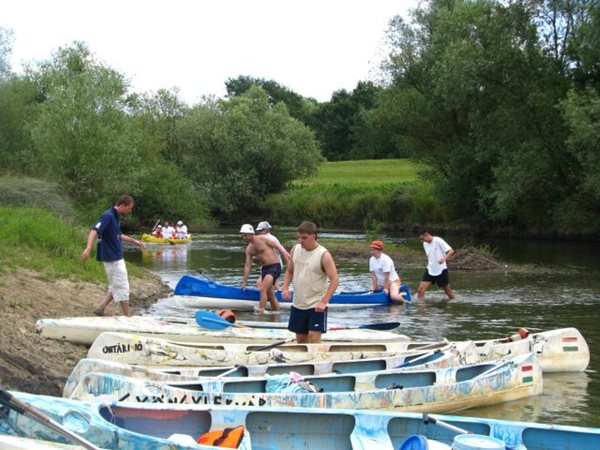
[(381, 326), (211, 321), (370, 326)]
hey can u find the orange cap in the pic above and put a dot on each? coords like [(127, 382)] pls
[(377, 245)]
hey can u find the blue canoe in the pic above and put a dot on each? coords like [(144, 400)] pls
[(194, 292), (144, 427)]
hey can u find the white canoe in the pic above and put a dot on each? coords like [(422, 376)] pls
[(411, 376), (149, 351), (560, 350), (482, 385), (450, 356), (84, 330)]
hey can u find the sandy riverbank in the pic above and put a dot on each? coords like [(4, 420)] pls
[(33, 364)]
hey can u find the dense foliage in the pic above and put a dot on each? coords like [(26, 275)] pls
[(499, 98), (476, 91)]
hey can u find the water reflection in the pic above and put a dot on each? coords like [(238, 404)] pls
[(564, 400)]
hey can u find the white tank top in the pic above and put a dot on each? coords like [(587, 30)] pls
[(310, 279)]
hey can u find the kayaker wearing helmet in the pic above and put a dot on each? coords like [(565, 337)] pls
[(263, 248)]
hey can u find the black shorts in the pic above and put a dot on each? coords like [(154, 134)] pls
[(441, 280), (270, 269), (304, 320)]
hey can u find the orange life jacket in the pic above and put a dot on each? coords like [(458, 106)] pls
[(227, 438), (227, 314)]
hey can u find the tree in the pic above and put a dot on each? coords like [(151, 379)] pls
[(82, 135), (6, 43), (473, 93), (299, 107), (239, 150), (344, 127)]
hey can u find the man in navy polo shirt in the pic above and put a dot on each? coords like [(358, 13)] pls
[(110, 252)]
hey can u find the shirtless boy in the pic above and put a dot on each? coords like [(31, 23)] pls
[(263, 249)]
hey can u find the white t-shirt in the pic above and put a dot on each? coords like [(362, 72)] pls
[(168, 232), (381, 266), (436, 250), (182, 231)]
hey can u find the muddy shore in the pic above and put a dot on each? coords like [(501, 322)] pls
[(33, 364)]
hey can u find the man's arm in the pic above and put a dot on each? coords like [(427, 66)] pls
[(331, 271), (374, 281), (287, 279), (93, 234), (247, 267), (133, 241)]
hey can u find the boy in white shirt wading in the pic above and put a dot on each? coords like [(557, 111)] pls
[(438, 252)]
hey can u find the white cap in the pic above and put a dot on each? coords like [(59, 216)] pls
[(158, 226), (180, 223), (263, 226), (247, 229)]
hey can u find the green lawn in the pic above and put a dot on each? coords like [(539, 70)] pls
[(380, 171)]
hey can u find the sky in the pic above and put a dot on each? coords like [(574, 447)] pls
[(313, 47)]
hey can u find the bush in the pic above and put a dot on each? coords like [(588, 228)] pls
[(31, 192)]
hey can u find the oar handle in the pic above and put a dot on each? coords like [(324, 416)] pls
[(9, 400), (434, 420)]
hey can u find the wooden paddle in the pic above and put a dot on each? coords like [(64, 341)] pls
[(8, 400), (369, 326)]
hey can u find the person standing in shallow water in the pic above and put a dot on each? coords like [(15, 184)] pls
[(310, 266), (438, 252), (263, 248), (110, 252), (383, 273)]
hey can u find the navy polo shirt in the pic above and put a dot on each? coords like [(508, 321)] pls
[(110, 247)]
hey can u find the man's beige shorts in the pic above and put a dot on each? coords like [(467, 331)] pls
[(118, 283)]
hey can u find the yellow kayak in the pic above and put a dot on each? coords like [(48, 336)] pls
[(156, 240)]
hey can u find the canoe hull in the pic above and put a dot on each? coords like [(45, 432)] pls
[(135, 349), (84, 330), (148, 238), (145, 426), (194, 292), (421, 391), (452, 356)]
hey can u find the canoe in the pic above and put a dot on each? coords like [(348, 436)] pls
[(441, 390), (450, 356), (333, 382), (194, 292), (561, 350), (8, 442), (143, 426), (156, 240), (84, 330), (149, 351)]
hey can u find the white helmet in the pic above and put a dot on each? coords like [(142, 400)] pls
[(263, 226), (247, 229)]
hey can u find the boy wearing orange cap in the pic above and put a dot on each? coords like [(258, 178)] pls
[(383, 272)]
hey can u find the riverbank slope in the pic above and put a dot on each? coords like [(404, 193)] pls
[(33, 364)]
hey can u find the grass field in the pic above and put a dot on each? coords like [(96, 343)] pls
[(381, 171), (364, 194)]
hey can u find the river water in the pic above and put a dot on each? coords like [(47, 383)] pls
[(562, 289)]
